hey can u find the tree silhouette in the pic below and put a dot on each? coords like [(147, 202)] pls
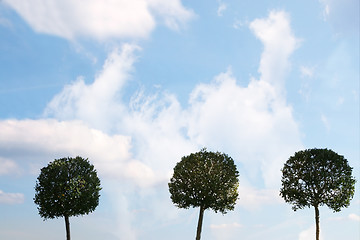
[(317, 177), (207, 180), (67, 187)]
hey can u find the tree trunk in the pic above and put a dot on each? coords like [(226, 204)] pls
[(201, 215), (317, 220), (67, 226)]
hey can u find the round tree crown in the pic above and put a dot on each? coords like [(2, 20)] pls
[(205, 179), (67, 187), (316, 177)]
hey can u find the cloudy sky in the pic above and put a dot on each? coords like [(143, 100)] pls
[(136, 85)]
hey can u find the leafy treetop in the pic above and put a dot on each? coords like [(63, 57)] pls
[(316, 177), (205, 179), (67, 187)]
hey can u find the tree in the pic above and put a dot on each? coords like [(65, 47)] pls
[(317, 177), (67, 187), (207, 180)]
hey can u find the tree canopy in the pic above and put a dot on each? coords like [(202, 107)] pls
[(67, 187), (316, 177), (208, 180)]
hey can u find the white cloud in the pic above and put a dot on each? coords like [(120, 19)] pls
[(254, 199), (225, 230), (307, 74), (11, 198), (307, 71), (237, 24), (342, 15), (253, 124), (309, 234), (97, 104), (172, 12), (8, 167), (326, 9), (99, 19), (226, 225), (279, 42), (222, 7), (326, 122), (36, 142), (140, 141), (155, 123), (354, 217), (257, 127), (158, 122)]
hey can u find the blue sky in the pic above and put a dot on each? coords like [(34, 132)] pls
[(136, 85)]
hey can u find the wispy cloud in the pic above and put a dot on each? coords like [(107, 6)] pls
[(237, 24), (226, 225), (307, 74), (326, 9), (342, 15), (326, 122), (354, 217), (306, 71), (221, 8), (8, 166), (11, 198)]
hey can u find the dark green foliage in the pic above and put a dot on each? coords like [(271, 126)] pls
[(67, 187), (205, 179), (316, 177)]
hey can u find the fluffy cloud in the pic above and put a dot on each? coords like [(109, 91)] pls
[(11, 198), (154, 123), (162, 131), (97, 104), (100, 19), (253, 124), (36, 142), (146, 137), (140, 141)]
